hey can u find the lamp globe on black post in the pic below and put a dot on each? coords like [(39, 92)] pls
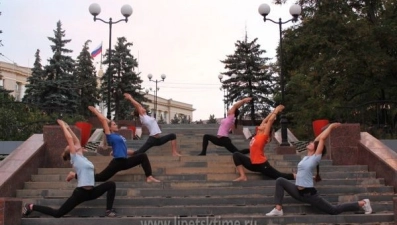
[(150, 76), (295, 11), (126, 11)]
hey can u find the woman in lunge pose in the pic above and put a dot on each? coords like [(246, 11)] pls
[(303, 188), (86, 189), (121, 159), (257, 161), (222, 137), (155, 137)]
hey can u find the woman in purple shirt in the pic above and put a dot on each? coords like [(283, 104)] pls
[(222, 137)]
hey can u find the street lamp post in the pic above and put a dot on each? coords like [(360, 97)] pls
[(126, 11), (295, 11), (225, 93), (155, 90)]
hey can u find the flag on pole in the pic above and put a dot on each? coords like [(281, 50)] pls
[(96, 51)]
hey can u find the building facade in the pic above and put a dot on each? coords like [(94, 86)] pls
[(14, 78)]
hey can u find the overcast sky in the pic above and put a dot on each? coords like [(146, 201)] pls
[(183, 39)]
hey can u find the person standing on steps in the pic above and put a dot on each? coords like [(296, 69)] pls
[(123, 158), (155, 138), (303, 189), (86, 189), (258, 161), (222, 137)]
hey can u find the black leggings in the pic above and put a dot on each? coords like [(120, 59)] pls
[(153, 141), (264, 168), (81, 195), (219, 141), (119, 164)]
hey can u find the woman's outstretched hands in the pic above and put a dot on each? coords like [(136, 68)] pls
[(61, 123), (127, 96), (246, 100), (279, 108)]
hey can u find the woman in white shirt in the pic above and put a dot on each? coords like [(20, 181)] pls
[(86, 189), (303, 188), (155, 138)]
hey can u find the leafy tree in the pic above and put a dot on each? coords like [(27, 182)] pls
[(60, 92), (342, 56), (253, 78), (85, 75), (212, 119), (34, 88), (124, 78), (176, 119)]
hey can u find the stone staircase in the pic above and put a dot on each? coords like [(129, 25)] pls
[(198, 190)]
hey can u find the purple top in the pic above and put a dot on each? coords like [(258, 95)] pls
[(225, 126)]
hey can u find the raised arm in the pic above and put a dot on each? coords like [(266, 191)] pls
[(268, 121), (68, 136), (321, 138), (136, 104), (76, 140), (238, 105), (104, 121)]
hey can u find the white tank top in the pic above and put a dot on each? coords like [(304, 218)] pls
[(151, 124)]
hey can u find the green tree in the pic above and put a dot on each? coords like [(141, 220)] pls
[(34, 88), (342, 55), (176, 119), (85, 75), (124, 79), (60, 92), (253, 78), (212, 119)]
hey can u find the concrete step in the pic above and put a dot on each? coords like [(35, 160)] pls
[(197, 192), (207, 184), (209, 210), (259, 219), (201, 201)]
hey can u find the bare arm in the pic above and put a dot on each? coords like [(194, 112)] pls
[(68, 136), (76, 140), (268, 121), (321, 138), (238, 105), (136, 104), (104, 121)]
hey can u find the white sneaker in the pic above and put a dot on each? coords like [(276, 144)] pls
[(367, 207), (275, 212)]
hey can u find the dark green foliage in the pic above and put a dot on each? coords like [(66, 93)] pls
[(85, 75), (60, 91), (35, 86), (124, 79), (212, 119), (253, 79)]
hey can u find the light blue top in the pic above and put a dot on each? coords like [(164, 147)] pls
[(151, 124), (118, 144), (304, 175), (84, 169)]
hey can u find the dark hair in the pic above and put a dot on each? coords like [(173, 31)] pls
[(318, 178), (136, 113), (66, 154), (236, 113)]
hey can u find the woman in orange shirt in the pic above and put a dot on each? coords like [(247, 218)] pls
[(258, 161)]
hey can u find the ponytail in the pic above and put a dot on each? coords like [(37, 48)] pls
[(317, 178), (236, 113)]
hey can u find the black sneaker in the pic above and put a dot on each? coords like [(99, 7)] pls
[(111, 213), (26, 210)]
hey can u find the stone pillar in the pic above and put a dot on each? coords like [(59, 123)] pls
[(10, 211), (342, 144), (56, 144), (395, 210)]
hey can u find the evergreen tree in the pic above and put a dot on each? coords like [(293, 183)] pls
[(60, 92), (85, 76), (124, 79), (35, 81), (253, 79)]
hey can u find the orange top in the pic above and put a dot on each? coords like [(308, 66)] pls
[(257, 148)]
